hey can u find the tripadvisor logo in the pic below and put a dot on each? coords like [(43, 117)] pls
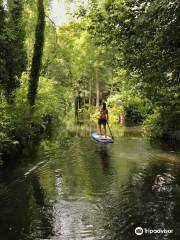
[(139, 231)]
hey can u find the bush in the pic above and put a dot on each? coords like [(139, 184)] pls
[(132, 107), (17, 126), (151, 126), (163, 123)]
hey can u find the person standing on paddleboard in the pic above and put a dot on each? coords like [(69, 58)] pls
[(103, 119)]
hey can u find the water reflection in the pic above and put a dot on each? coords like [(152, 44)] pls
[(25, 212), (43, 206), (74, 188), (148, 200), (104, 157)]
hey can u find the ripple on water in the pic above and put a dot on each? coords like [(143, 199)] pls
[(73, 220), (82, 190)]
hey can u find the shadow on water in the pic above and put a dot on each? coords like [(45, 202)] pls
[(166, 145)]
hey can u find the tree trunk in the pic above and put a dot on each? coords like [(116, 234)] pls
[(90, 92), (97, 90), (37, 55), (84, 100)]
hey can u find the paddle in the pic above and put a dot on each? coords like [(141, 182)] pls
[(110, 131)]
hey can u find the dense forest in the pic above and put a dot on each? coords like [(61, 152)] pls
[(124, 52)]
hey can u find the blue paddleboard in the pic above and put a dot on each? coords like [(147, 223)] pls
[(101, 139)]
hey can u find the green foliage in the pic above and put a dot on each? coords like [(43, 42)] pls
[(111, 52), (30, 10), (152, 127), (131, 106), (151, 50), (17, 127), (75, 62), (162, 124), (12, 51), (5, 124), (146, 36)]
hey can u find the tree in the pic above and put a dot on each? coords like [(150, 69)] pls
[(3, 70), (37, 56), (79, 64), (147, 37), (13, 52), (150, 50)]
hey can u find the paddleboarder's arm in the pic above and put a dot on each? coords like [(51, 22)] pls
[(107, 116)]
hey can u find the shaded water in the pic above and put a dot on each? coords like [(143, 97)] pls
[(74, 188)]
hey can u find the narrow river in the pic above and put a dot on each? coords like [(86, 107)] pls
[(71, 187)]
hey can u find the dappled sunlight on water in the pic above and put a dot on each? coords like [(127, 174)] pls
[(75, 188)]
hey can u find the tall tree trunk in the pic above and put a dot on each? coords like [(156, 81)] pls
[(37, 55), (90, 92), (97, 90)]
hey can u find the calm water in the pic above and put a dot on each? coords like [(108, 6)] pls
[(74, 188)]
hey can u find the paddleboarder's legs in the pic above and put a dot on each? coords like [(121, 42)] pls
[(99, 129), (102, 124), (104, 129)]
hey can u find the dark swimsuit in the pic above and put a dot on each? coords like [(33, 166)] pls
[(102, 120)]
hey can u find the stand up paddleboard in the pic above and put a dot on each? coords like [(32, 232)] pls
[(101, 139)]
